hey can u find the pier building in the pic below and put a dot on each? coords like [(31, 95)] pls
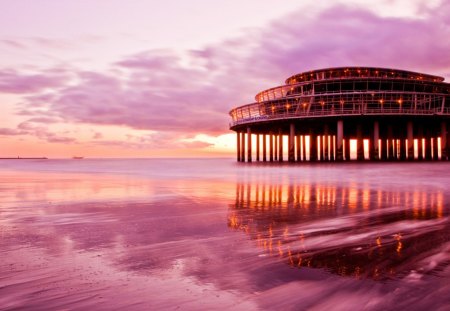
[(391, 114)]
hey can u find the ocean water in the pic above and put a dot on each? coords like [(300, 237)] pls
[(213, 234)]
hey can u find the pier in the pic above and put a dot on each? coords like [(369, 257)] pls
[(388, 114)]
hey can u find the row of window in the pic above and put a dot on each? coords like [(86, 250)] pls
[(368, 86)]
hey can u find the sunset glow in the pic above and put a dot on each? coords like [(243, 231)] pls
[(152, 79)]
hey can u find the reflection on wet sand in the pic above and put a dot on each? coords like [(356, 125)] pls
[(349, 230)]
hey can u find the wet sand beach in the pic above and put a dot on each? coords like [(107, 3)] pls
[(191, 234)]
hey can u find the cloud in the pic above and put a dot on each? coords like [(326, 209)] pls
[(10, 132), (12, 81), (169, 92), (97, 135), (13, 43), (41, 132), (46, 120), (164, 140)]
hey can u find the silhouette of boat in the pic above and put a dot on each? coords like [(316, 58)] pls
[(78, 158)]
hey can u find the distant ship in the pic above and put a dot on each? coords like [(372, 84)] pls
[(77, 158)]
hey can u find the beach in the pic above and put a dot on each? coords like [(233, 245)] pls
[(213, 234)]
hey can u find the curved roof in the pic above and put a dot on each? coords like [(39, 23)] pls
[(347, 72)]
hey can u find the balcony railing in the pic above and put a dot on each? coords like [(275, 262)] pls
[(334, 112)]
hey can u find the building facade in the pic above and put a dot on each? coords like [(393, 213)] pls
[(403, 115)]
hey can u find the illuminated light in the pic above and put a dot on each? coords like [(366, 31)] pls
[(399, 247), (341, 102), (288, 106), (378, 241), (273, 108), (233, 222), (286, 233), (381, 101), (304, 105), (280, 250), (399, 243), (291, 261), (376, 272), (322, 103), (400, 101)]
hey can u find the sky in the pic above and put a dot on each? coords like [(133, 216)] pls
[(144, 78)]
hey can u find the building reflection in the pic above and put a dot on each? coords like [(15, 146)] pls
[(351, 230)]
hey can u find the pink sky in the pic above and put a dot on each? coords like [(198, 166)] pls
[(152, 79)]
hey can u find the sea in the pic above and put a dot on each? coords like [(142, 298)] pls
[(215, 234)]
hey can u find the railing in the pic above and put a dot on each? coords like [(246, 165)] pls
[(283, 91), (305, 113)]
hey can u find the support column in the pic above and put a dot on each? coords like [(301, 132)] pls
[(332, 147), (304, 147), (242, 146), (402, 149), (428, 146), (280, 145), (443, 141), (396, 157), (326, 148), (249, 143), (238, 139), (435, 148), (420, 143), (264, 148), (410, 138), (275, 149), (270, 147), (359, 143), (384, 151), (321, 149), (257, 147), (291, 150), (375, 139), (297, 138), (312, 147), (390, 143), (340, 140), (347, 149)]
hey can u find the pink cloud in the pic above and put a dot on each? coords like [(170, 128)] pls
[(13, 43), (46, 120), (154, 141), (10, 132), (97, 135), (41, 132), (13, 82)]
